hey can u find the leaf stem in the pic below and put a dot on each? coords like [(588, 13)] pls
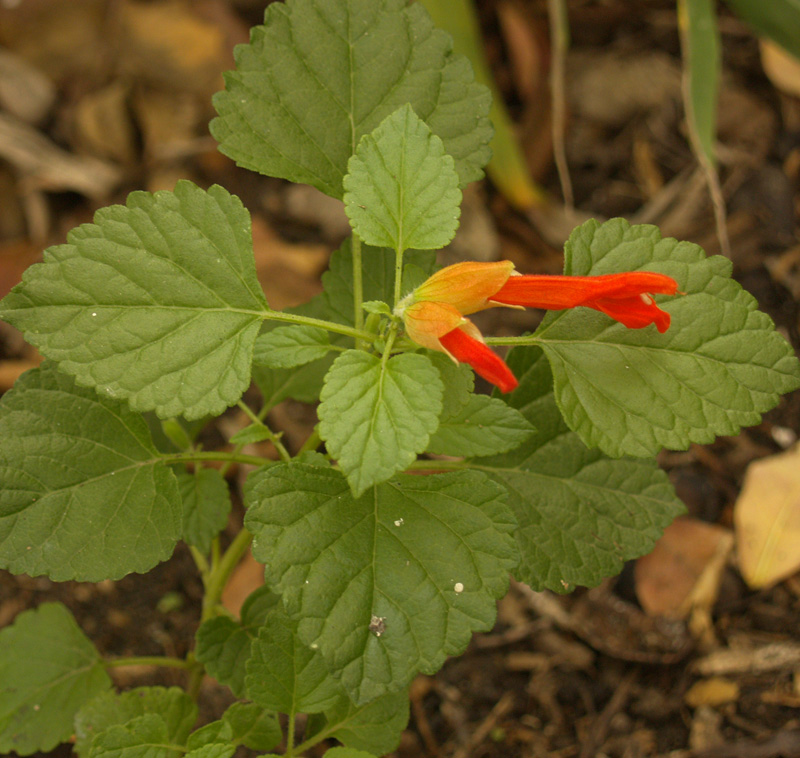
[(216, 455), (148, 660), (530, 339), (214, 582), (331, 326), (291, 726), (398, 274), (274, 438), (221, 572), (358, 288), (387, 350), (312, 442)]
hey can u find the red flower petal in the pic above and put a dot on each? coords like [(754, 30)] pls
[(483, 360), (624, 297)]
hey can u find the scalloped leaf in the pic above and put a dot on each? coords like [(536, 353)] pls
[(401, 190), (581, 515), (84, 493), (389, 584), (319, 74), (720, 365), (156, 302), (377, 415), (48, 670)]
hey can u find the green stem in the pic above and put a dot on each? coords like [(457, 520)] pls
[(274, 438), (200, 561), (330, 326), (387, 350), (312, 442), (148, 660), (214, 583), (527, 340), (358, 289), (218, 455), (398, 275), (291, 726), (221, 572)]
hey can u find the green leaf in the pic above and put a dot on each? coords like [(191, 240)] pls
[(633, 391), (485, 426), (206, 505), (581, 515), (346, 752), (458, 380), (284, 674), (388, 584), (375, 726), (218, 750), (702, 63), (243, 723), (401, 190), (378, 271), (779, 20), (83, 492), (156, 302), (252, 726), (48, 670), (251, 434), (215, 732), (303, 383), (319, 74), (376, 415), (142, 737), (224, 645), (174, 708), (289, 346)]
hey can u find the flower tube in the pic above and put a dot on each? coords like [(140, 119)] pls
[(625, 297), (434, 313), (439, 326)]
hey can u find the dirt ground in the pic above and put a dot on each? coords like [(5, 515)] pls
[(108, 96)]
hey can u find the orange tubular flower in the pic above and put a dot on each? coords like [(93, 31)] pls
[(434, 313), (624, 297), (439, 326)]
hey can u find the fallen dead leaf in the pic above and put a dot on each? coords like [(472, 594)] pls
[(782, 68), (714, 691), (288, 272), (246, 578), (767, 519), (684, 569), (102, 124), (167, 43)]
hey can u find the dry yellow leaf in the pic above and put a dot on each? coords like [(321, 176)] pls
[(767, 519), (714, 691), (781, 67)]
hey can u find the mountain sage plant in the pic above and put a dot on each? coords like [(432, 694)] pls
[(388, 537)]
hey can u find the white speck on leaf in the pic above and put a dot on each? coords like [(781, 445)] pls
[(398, 522), (458, 587)]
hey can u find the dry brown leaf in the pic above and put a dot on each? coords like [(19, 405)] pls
[(25, 92), (167, 43), (684, 569), (767, 519), (288, 272), (102, 124), (47, 167), (247, 577)]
